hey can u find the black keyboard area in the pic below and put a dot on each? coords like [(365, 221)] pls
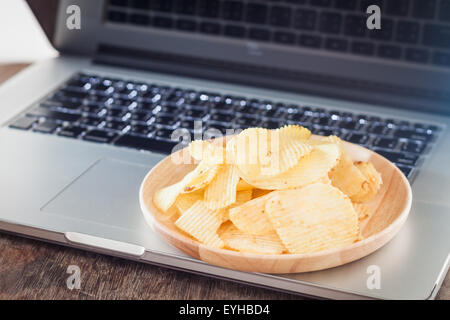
[(143, 116), (415, 31)]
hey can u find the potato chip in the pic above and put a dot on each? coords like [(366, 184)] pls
[(241, 198), (200, 177), (193, 181), (372, 182), (243, 185), (294, 131), (260, 152), (201, 223), (361, 210), (221, 192), (209, 153), (251, 218), (310, 168), (345, 176), (259, 193), (186, 200), (238, 240), (314, 218)]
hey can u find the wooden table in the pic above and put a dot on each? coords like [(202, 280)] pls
[(31, 269)]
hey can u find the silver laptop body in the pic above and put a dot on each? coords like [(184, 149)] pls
[(80, 188)]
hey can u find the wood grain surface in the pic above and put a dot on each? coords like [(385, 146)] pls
[(32, 269)]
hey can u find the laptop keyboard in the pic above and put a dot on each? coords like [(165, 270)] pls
[(143, 116), (416, 31)]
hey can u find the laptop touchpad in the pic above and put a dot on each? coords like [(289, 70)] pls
[(107, 193)]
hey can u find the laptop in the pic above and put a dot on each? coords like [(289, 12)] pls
[(79, 132)]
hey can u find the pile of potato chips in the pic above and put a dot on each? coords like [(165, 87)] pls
[(272, 192)]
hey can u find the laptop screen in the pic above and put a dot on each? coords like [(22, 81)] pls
[(333, 47)]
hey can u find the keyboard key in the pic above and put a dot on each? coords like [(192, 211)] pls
[(256, 13), (350, 125), (397, 7), (47, 126), (164, 134), (416, 55), (259, 34), (407, 32), (389, 51), (148, 144), (400, 158), (280, 16), (116, 125), (166, 120), (23, 123), (444, 10), (441, 59), (413, 135), (345, 4), (186, 25), (140, 129), (321, 3), (385, 33), (355, 25), (271, 124), (358, 138), (305, 19), (386, 143), (436, 36), (284, 37), (234, 31), (210, 28), (101, 136), (221, 117), (363, 48), (232, 10), (92, 121), (336, 44), (186, 7), (424, 9), (139, 19), (140, 4), (417, 147), (162, 22), (330, 22), (208, 8), (310, 41), (246, 122), (55, 115), (71, 131), (162, 5)]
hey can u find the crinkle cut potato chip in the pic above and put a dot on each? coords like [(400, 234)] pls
[(295, 132), (209, 153), (261, 152), (372, 183), (361, 210), (241, 198), (345, 176), (201, 223), (185, 200), (221, 192), (314, 218), (193, 181), (244, 242), (309, 169), (251, 217), (243, 185), (272, 192)]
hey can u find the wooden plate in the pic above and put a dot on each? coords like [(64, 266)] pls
[(388, 211)]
